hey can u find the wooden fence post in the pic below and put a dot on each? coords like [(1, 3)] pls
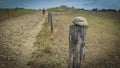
[(77, 40), (50, 21), (8, 13), (48, 17)]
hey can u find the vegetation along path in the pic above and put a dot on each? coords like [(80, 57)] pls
[(17, 37)]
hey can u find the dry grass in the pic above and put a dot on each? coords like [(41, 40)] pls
[(13, 34), (13, 13), (103, 41)]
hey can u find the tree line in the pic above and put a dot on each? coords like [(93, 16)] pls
[(104, 10)]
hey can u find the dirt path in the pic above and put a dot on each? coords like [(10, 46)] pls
[(17, 37), (27, 47)]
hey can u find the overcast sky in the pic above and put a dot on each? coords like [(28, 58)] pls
[(36, 4)]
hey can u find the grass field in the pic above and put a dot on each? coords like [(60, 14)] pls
[(103, 41), (13, 13), (15, 34)]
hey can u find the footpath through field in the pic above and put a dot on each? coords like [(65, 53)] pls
[(17, 37)]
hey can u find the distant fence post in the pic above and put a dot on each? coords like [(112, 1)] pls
[(8, 13), (50, 21), (77, 40)]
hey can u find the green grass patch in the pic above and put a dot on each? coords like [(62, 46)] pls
[(46, 52), (30, 62), (47, 48)]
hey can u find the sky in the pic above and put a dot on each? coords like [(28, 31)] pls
[(39, 4)]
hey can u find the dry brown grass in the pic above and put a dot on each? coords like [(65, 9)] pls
[(103, 41), (13, 13), (14, 33)]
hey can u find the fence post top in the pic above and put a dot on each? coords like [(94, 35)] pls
[(50, 13), (80, 21)]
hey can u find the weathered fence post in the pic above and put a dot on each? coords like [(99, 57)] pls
[(50, 21), (48, 17), (8, 14), (77, 40)]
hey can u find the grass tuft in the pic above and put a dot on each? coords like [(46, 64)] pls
[(47, 48)]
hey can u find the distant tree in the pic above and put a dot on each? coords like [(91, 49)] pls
[(109, 10), (82, 9), (112, 10), (119, 10), (21, 8), (16, 8), (94, 9), (103, 9)]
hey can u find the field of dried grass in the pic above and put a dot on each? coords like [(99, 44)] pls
[(23, 45), (17, 36), (103, 41), (13, 13)]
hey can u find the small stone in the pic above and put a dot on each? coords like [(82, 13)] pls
[(81, 21)]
